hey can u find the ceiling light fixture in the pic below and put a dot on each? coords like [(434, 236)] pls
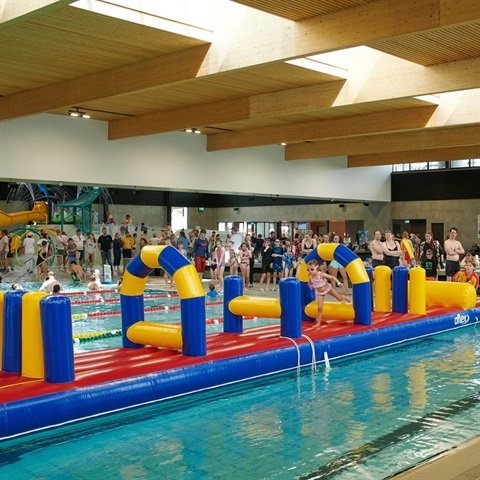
[(75, 112), (283, 143), (193, 130)]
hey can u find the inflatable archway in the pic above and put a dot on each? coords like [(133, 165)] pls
[(190, 291), (362, 303)]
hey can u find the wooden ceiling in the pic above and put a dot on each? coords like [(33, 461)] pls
[(380, 81)]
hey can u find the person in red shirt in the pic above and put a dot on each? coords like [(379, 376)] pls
[(467, 275)]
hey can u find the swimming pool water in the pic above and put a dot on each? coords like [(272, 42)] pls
[(369, 417)]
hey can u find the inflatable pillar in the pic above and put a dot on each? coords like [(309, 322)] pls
[(12, 332), (232, 288), (57, 336), (382, 287), (400, 290), (133, 311), (291, 310), (32, 347), (418, 291)]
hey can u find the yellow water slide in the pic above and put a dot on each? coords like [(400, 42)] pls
[(39, 213)]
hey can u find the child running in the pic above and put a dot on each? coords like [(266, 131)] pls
[(318, 281)]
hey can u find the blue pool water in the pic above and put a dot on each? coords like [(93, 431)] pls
[(369, 417), (114, 322)]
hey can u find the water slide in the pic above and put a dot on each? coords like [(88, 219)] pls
[(39, 213)]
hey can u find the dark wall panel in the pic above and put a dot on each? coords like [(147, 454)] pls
[(436, 185)]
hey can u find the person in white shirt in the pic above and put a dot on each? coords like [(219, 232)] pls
[(79, 240), (49, 283), (28, 247), (61, 241)]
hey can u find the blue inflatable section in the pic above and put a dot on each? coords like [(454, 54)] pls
[(80, 403)]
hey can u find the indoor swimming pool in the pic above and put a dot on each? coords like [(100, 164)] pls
[(369, 416)]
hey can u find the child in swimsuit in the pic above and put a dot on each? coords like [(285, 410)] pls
[(318, 281)]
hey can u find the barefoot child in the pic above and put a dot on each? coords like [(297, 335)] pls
[(318, 281)]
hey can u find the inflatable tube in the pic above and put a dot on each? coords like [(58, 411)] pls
[(382, 288), (190, 290), (450, 294), (406, 246), (157, 335), (417, 294), (332, 311), (32, 346), (256, 306)]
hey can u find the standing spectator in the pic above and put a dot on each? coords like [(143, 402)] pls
[(182, 238), (251, 247), (110, 219), (200, 253), (127, 243), (154, 240), (391, 251), (430, 264), (4, 249), (376, 249), (127, 223), (267, 263), (90, 248), (288, 259), (117, 251), (245, 256), (233, 262), (105, 245), (61, 244), (42, 261), (211, 241), (433, 245), (134, 244), (219, 254), (453, 249), (277, 256), (79, 240), (235, 238), (307, 245), (29, 251)]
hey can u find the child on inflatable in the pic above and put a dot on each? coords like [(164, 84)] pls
[(318, 281)]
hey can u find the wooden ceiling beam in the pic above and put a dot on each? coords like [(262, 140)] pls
[(428, 138), (264, 38), (415, 156), (396, 79), (165, 69), (179, 119), (405, 119)]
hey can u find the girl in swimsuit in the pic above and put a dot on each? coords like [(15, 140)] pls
[(318, 281), (245, 255)]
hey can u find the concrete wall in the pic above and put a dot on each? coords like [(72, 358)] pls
[(58, 149)]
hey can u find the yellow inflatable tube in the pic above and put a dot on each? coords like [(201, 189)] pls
[(156, 334), (331, 311), (450, 294), (256, 306), (32, 345), (407, 247)]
